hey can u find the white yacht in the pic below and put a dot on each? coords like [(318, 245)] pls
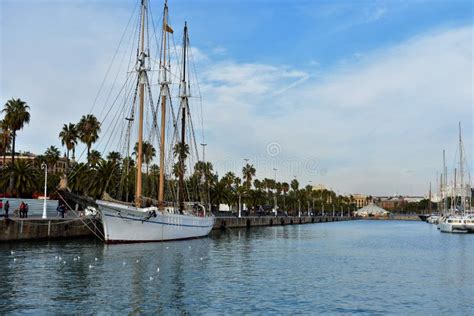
[(161, 220)]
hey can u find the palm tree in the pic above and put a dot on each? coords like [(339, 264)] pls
[(16, 116), (219, 193), (248, 173), (69, 136), (88, 129), (25, 176), (114, 156), (294, 185), (5, 140), (181, 151), (94, 157), (106, 178), (51, 156), (148, 153)]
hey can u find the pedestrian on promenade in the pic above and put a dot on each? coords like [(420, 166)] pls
[(22, 209), (25, 210), (62, 210), (6, 208)]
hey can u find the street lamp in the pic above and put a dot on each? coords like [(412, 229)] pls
[(205, 177), (45, 167), (276, 200)]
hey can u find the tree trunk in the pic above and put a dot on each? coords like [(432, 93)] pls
[(67, 160), (10, 188)]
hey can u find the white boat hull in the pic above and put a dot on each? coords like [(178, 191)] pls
[(123, 223), (452, 225)]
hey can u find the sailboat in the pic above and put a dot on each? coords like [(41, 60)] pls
[(458, 220), (147, 220)]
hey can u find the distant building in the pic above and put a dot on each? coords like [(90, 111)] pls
[(360, 200), (58, 167), (372, 210), (319, 187)]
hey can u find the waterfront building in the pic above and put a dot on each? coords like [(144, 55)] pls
[(360, 200), (58, 167), (319, 187), (372, 210)]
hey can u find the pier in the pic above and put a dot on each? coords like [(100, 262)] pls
[(38, 229), (256, 221)]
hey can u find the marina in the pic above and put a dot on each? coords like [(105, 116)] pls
[(333, 268), (165, 157)]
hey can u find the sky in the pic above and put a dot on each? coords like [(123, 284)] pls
[(361, 96)]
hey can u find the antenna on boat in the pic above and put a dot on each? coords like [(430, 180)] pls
[(142, 77)]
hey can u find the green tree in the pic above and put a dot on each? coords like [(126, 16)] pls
[(51, 156), (294, 185), (16, 116), (88, 129), (68, 137), (25, 177), (248, 172), (5, 140), (114, 156), (94, 157)]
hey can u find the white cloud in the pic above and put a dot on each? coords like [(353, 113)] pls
[(393, 110), (358, 124)]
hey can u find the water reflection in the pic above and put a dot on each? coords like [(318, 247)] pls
[(405, 268)]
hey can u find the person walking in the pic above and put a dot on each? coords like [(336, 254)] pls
[(6, 209), (25, 210), (22, 209)]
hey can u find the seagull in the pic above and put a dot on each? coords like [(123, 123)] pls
[(96, 259), (12, 252), (167, 247), (78, 257), (56, 257), (151, 278), (138, 261), (124, 263), (60, 258), (91, 266), (158, 269), (75, 259), (14, 259), (201, 258), (64, 262)]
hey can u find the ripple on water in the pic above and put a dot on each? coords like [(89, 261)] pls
[(363, 267)]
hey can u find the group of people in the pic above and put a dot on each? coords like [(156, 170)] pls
[(22, 209)]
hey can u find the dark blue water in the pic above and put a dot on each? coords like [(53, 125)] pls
[(371, 267)]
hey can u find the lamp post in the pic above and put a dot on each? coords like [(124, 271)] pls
[(276, 200), (205, 177), (45, 167), (240, 194)]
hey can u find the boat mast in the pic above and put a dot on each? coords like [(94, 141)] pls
[(142, 80), (429, 205), (164, 95), (184, 105), (454, 194), (445, 182), (461, 170)]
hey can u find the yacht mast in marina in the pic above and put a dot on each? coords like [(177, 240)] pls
[(142, 75), (164, 94)]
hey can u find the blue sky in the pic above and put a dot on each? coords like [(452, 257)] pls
[(359, 95)]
